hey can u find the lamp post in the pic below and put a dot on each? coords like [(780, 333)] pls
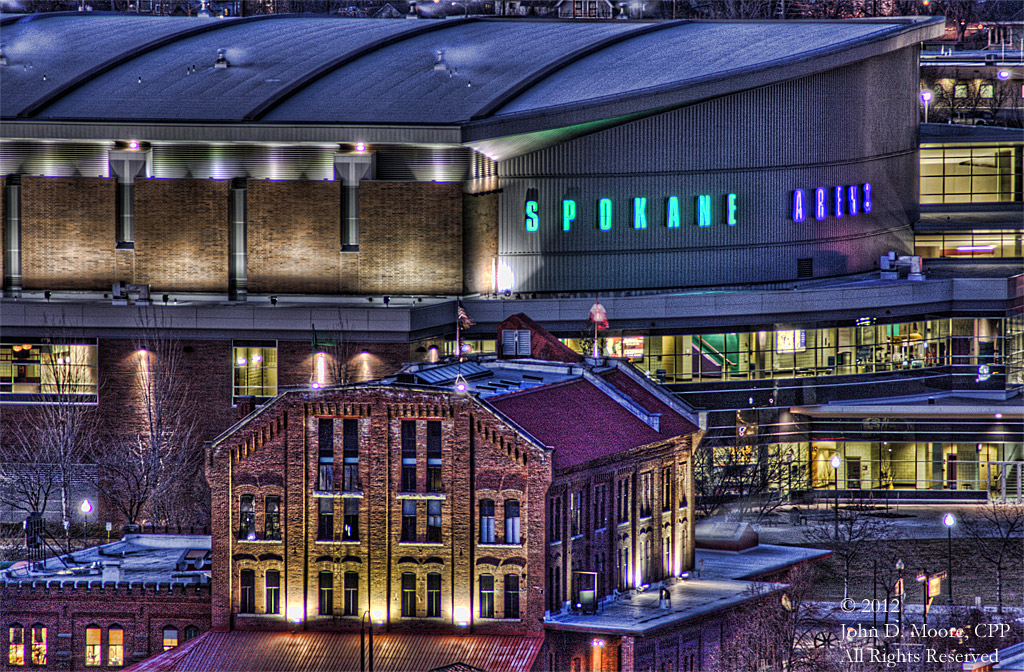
[(362, 641), (789, 471), (949, 521), (926, 97), (922, 578), (86, 509), (836, 461), (902, 596)]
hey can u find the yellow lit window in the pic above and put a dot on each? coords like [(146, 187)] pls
[(16, 649), (170, 638), (93, 647), (115, 647), (38, 645), (254, 369)]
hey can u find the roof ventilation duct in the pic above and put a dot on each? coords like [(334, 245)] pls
[(3, 56), (439, 64), (412, 11), (222, 60)]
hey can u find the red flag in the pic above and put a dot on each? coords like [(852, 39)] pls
[(599, 316)]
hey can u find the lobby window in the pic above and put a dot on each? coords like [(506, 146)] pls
[(273, 581), (254, 369), (93, 646), (247, 592), (16, 645), (325, 455), (350, 455), (170, 637), (351, 593), (434, 521), (350, 525), (434, 456), (486, 596), (408, 520), (325, 519), (247, 517), (408, 594), (115, 646), (272, 513), (970, 174), (32, 371), (512, 521), (511, 596), (486, 521), (408, 456), (325, 606), (433, 595)]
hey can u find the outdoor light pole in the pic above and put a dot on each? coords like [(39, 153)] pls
[(86, 509), (949, 521), (926, 97), (835, 480), (903, 597), (362, 641)]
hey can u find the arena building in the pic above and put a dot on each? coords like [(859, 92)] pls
[(299, 201)]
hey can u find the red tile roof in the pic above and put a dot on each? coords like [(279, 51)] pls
[(582, 423), (672, 423), (244, 651)]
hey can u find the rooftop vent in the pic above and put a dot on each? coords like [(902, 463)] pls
[(412, 11), (3, 56), (222, 60), (439, 64)]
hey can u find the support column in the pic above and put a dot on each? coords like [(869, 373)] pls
[(350, 169), (238, 279), (12, 236), (126, 165)]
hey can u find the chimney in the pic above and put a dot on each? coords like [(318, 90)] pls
[(111, 572)]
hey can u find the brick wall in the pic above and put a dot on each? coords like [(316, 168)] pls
[(294, 238), (410, 238), (181, 235), (68, 232), (480, 242)]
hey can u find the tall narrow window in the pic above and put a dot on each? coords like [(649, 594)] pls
[(115, 646), (325, 435), (16, 645), (350, 468), (191, 632), (273, 579), (556, 519), (247, 592), (486, 596), (434, 521), (247, 517), (408, 520), (434, 456), (574, 514), (272, 509), (408, 456), (486, 521), (325, 606), (511, 596), (325, 519), (350, 525), (666, 489), (624, 503), (170, 637), (351, 593), (254, 370), (512, 521), (93, 646), (433, 595), (408, 594), (646, 480)]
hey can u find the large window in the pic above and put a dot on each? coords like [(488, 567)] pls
[(486, 521), (33, 371), (273, 581), (115, 646), (325, 519), (247, 517), (351, 593), (408, 456), (350, 468), (434, 456), (325, 455), (408, 594), (350, 525), (434, 521), (971, 173), (93, 646), (987, 243), (247, 592), (254, 368), (486, 596), (16, 645), (511, 596), (272, 510), (325, 606), (408, 520), (433, 595), (170, 637), (512, 521)]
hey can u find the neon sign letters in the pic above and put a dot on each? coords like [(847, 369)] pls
[(706, 210), (844, 200)]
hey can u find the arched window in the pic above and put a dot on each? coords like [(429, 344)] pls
[(39, 644), (191, 632), (16, 644), (486, 521), (170, 637), (512, 521), (247, 517), (115, 646), (93, 646)]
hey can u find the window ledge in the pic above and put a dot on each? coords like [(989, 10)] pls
[(554, 543), (350, 494), (421, 543), (259, 541), (484, 619), (422, 495), (577, 537), (498, 545), (247, 615)]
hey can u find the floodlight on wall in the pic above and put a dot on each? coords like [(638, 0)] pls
[(461, 616), (295, 613), (133, 144), (360, 147), (1002, 74)]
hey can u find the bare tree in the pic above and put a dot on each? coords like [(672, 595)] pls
[(846, 538), (997, 530)]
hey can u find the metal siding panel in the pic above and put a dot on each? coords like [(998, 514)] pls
[(54, 159)]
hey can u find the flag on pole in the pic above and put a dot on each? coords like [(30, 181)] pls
[(463, 318), (598, 316)]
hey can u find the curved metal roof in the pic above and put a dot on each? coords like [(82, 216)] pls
[(495, 77)]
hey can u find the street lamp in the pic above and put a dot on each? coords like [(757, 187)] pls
[(949, 521), (926, 97), (922, 578), (836, 461), (86, 509), (902, 597), (367, 617)]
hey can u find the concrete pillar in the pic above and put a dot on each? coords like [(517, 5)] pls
[(238, 280), (350, 169), (126, 165), (12, 236)]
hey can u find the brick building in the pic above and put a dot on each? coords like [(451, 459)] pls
[(108, 606)]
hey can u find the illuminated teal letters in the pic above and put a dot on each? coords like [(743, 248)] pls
[(866, 203), (532, 221), (604, 214), (640, 213), (568, 214), (838, 207), (798, 205), (704, 210), (730, 209), (819, 204), (672, 213), (851, 207)]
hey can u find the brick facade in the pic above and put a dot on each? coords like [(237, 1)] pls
[(480, 242), (482, 458)]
